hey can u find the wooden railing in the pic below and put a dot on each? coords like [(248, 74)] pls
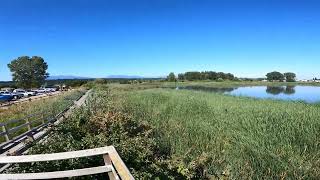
[(33, 125), (114, 165)]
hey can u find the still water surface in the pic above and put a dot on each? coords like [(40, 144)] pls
[(310, 94)]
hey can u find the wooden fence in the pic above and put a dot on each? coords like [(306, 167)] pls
[(34, 123), (113, 165)]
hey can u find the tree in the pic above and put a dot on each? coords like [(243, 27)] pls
[(171, 77), (290, 77), (191, 76), (275, 76), (28, 72), (181, 76)]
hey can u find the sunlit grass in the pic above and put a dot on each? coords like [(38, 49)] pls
[(245, 137)]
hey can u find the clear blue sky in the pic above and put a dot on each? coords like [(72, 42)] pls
[(97, 38)]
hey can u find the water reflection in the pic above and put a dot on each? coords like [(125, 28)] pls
[(290, 90), (276, 90), (309, 94)]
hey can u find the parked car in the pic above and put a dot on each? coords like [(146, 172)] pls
[(41, 91), (5, 96), (51, 89), (24, 92), (45, 90), (17, 96)]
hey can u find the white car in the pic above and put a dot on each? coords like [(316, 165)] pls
[(24, 92), (46, 90), (51, 89)]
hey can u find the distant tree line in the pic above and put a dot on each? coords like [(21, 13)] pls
[(204, 75), (277, 76)]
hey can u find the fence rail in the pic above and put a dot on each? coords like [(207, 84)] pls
[(114, 165), (39, 120)]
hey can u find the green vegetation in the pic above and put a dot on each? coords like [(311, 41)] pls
[(206, 75), (277, 76), (243, 138), (101, 123), (171, 77), (168, 134), (290, 77), (29, 72)]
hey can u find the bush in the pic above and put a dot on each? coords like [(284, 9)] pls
[(220, 80)]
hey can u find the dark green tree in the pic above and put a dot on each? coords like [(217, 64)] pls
[(290, 77), (28, 72), (275, 76), (171, 77), (181, 76), (191, 76)]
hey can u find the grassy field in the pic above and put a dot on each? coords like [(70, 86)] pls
[(243, 138)]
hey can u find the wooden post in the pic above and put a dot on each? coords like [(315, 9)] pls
[(112, 174), (4, 129), (43, 119), (30, 136), (27, 122)]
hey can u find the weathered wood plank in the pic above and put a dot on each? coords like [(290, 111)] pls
[(28, 124), (22, 119), (59, 174), (121, 168), (4, 129), (112, 174), (56, 156), (12, 130)]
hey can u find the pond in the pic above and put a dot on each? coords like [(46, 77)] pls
[(309, 94)]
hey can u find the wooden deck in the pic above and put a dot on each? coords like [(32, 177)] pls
[(114, 166)]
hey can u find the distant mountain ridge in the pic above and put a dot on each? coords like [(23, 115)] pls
[(124, 77), (57, 77)]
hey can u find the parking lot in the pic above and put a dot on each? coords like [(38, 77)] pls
[(20, 96)]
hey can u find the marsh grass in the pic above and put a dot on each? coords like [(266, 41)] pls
[(245, 138)]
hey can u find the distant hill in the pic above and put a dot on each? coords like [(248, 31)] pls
[(124, 77), (66, 77)]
